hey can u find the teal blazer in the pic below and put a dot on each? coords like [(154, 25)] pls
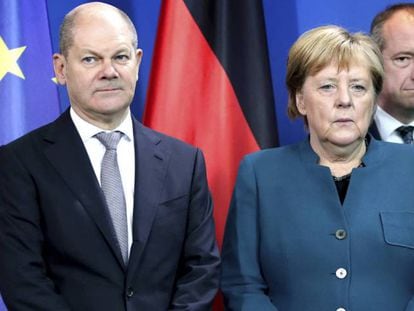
[(290, 245)]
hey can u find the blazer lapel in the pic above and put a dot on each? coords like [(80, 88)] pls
[(150, 162), (69, 157)]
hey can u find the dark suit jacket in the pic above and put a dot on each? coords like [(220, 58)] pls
[(282, 248), (373, 130), (57, 249)]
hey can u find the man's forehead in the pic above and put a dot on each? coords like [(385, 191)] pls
[(98, 30)]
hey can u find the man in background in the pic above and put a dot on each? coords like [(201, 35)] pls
[(98, 212), (392, 29)]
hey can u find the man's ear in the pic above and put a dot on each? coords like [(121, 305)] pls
[(59, 65), (139, 55), (300, 103)]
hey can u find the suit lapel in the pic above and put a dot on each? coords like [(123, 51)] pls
[(373, 130), (150, 162), (69, 157)]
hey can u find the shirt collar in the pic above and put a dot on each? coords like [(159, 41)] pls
[(386, 123), (87, 130)]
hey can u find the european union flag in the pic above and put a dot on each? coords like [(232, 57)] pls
[(28, 96)]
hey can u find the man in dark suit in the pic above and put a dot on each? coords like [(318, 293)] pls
[(392, 29), (88, 226)]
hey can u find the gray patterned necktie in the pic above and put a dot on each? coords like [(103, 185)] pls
[(406, 133), (111, 185)]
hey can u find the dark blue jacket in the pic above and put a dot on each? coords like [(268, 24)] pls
[(57, 249)]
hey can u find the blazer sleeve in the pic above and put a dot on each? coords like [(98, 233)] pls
[(242, 282), (24, 284), (198, 278)]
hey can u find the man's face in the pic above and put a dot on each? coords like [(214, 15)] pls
[(397, 96), (100, 69)]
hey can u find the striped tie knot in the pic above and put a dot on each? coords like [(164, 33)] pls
[(406, 133), (109, 139)]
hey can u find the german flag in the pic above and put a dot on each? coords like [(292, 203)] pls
[(210, 86)]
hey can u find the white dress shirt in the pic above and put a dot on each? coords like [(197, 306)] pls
[(125, 153), (387, 126)]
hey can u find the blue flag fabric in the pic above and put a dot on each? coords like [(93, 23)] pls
[(28, 96)]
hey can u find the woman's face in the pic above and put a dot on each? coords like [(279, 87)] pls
[(338, 104)]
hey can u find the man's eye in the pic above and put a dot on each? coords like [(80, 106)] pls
[(402, 61), (122, 58), (89, 60)]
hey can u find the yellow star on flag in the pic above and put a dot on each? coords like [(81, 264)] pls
[(8, 60)]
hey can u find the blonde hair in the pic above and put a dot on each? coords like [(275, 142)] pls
[(321, 46)]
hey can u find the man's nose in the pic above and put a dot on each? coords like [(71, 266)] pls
[(108, 70)]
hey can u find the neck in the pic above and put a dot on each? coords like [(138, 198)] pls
[(103, 121), (340, 159)]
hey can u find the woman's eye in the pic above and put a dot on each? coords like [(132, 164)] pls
[(358, 88), (327, 87)]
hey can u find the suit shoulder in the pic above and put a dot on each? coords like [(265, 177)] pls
[(28, 140), (395, 151), (272, 163), (277, 154), (167, 141)]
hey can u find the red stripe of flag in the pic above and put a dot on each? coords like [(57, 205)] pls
[(190, 97), (210, 86)]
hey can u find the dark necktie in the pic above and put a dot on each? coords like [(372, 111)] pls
[(406, 133), (111, 185)]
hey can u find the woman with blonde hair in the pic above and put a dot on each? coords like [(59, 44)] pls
[(327, 223)]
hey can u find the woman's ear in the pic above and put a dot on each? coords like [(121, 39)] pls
[(300, 103)]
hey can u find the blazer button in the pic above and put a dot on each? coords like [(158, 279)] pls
[(130, 292), (340, 234), (341, 273)]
